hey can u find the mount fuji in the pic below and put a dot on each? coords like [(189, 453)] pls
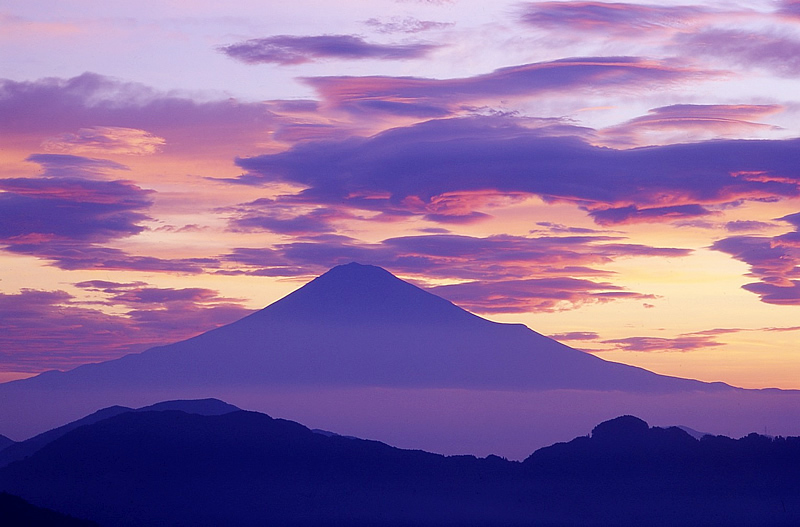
[(359, 341)]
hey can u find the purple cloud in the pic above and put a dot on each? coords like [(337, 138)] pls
[(789, 8), (564, 229), (72, 256), (683, 122), (774, 261), (288, 49), (505, 273), (658, 344), (777, 53), (747, 225), (533, 295), (65, 219), (633, 214), (53, 328), (359, 94), (785, 294), (283, 218), (576, 335), (63, 165), (70, 209), (409, 170), (61, 108), (619, 18)]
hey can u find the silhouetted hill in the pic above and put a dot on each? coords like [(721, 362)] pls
[(4, 442), (193, 406), (23, 449), (16, 512), (245, 468), (655, 472)]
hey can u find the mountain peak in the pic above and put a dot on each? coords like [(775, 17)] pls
[(624, 427), (355, 293)]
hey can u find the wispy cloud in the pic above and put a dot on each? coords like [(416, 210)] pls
[(69, 215), (402, 95), (105, 140), (55, 328), (94, 114), (773, 51), (408, 24), (659, 344), (534, 295), (288, 49), (774, 261), (691, 122), (501, 274), (615, 17)]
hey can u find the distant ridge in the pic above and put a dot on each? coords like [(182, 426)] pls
[(192, 406), (246, 468), (23, 449), (4, 442), (16, 512)]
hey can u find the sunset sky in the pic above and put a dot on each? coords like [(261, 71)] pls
[(623, 177)]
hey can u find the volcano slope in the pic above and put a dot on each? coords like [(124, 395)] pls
[(358, 350)]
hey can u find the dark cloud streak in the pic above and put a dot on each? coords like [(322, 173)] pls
[(288, 49), (581, 75)]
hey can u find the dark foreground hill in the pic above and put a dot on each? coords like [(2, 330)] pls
[(23, 449), (5, 442), (16, 512), (245, 468)]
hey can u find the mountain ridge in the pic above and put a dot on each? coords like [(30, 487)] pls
[(22, 449), (360, 325), (247, 468)]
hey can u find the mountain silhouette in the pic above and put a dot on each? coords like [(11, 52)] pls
[(5, 442), (245, 468), (23, 449), (361, 351), (16, 512), (358, 325)]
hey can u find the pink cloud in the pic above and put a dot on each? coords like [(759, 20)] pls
[(615, 17), (105, 140)]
